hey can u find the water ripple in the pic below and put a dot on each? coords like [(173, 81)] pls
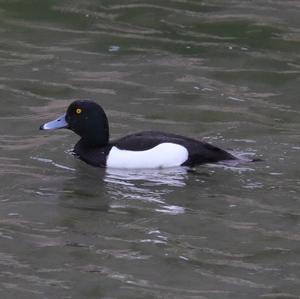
[(225, 72)]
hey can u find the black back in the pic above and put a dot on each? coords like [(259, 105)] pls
[(199, 152)]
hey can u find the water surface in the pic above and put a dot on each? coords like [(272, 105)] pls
[(226, 72)]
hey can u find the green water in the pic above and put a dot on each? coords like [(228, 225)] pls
[(226, 72)]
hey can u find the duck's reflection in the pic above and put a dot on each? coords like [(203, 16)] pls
[(120, 189), (149, 186), (173, 177)]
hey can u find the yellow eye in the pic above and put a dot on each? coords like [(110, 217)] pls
[(78, 111)]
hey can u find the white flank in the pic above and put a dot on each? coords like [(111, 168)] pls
[(161, 156)]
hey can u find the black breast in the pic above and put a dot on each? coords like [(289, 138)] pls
[(95, 156)]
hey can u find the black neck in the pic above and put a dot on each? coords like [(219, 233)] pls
[(96, 140)]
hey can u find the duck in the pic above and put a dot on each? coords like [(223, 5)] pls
[(148, 149)]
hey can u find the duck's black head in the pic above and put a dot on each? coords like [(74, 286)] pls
[(85, 118)]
